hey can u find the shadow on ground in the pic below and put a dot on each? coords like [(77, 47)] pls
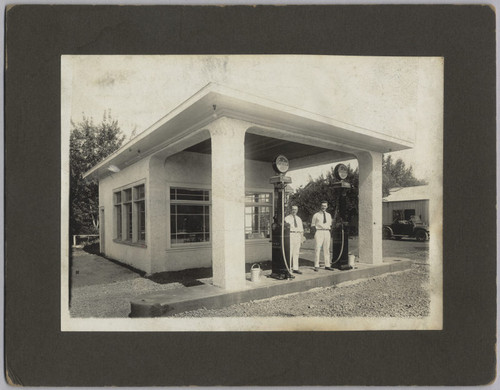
[(93, 249), (190, 277)]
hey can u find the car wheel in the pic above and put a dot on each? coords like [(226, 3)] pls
[(421, 236), (386, 233)]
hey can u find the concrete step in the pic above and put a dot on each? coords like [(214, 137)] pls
[(166, 303)]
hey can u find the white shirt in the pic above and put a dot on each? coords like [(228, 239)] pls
[(299, 228), (318, 218)]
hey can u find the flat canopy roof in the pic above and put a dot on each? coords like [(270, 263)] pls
[(198, 111), (262, 148)]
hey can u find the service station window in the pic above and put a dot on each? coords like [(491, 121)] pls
[(127, 208), (189, 216), (140, 212), (118, 215), (258, 208), (130, 215)]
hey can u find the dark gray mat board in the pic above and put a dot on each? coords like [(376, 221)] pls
[(38, 354)]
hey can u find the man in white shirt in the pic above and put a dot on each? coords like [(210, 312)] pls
[(296, 235), (322, 221)]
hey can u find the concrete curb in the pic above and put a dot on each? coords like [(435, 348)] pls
[(166, 303)]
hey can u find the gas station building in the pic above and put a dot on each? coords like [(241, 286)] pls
[(193, 189)]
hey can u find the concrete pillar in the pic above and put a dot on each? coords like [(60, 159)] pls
[(228, 203), (156, 212), (370, 207)]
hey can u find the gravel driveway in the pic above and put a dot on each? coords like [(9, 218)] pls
[(403, 294)]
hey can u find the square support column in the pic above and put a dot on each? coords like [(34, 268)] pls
[(370, 207), (228, 203)]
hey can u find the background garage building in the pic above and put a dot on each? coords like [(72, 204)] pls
[(404, 202)]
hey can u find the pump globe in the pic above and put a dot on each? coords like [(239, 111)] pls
[(280, 164), (340, 172)]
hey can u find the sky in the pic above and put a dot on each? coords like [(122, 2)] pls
[(398, 96)]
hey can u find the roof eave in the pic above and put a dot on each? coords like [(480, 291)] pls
[(238, 105)]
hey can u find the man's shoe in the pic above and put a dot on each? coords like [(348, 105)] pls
[(296, 271), (290, 276), (329, 268), (316, 269)]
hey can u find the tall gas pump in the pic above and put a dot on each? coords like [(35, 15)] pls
[(340, 231), (280, 230)]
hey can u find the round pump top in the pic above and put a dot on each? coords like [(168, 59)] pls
[(280, 164), (340, 172)]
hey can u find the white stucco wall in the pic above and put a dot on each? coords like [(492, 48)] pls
[(185, 169), (134, 255)]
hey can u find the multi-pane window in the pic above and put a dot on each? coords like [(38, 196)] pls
[(130, 214), (258, 208), (189, 215), (118, 215), (140, 207), (127, 206)]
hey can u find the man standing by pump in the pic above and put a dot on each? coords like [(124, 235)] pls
[(322, 222), (296, 238)]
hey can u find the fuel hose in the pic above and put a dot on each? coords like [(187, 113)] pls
[(283, 229), (342, 247)]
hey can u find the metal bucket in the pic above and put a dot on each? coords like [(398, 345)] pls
[(255, 273), (351, 260)]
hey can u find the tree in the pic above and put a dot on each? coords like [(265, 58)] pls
[(89, 144), (397, 175), (308, 198)]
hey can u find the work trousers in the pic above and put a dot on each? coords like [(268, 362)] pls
[(295, 242), (322, 239)]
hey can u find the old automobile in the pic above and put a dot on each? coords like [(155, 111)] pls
[(411, 228)]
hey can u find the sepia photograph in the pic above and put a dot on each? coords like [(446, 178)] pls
[(250, 195), (251, 192)]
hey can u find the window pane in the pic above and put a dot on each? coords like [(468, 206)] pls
[(118, 197), (141, 214), (189, 223), (128, 195), (257, 222), (118, 227), (265, 198), (128, 221), (409, 213), (186, 194), (249, 198), (189, 209), (139, 192), (397, 214), (253, 197), (206, 223)]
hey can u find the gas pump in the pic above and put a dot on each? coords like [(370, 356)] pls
[(340, 231), (280, 230)]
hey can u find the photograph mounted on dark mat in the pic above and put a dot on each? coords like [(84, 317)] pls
[(195, 178), (209, 196)]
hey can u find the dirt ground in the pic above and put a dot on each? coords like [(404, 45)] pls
[(103, 288)]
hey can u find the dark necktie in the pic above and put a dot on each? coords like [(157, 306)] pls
[(324, 217), (294, 221)]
